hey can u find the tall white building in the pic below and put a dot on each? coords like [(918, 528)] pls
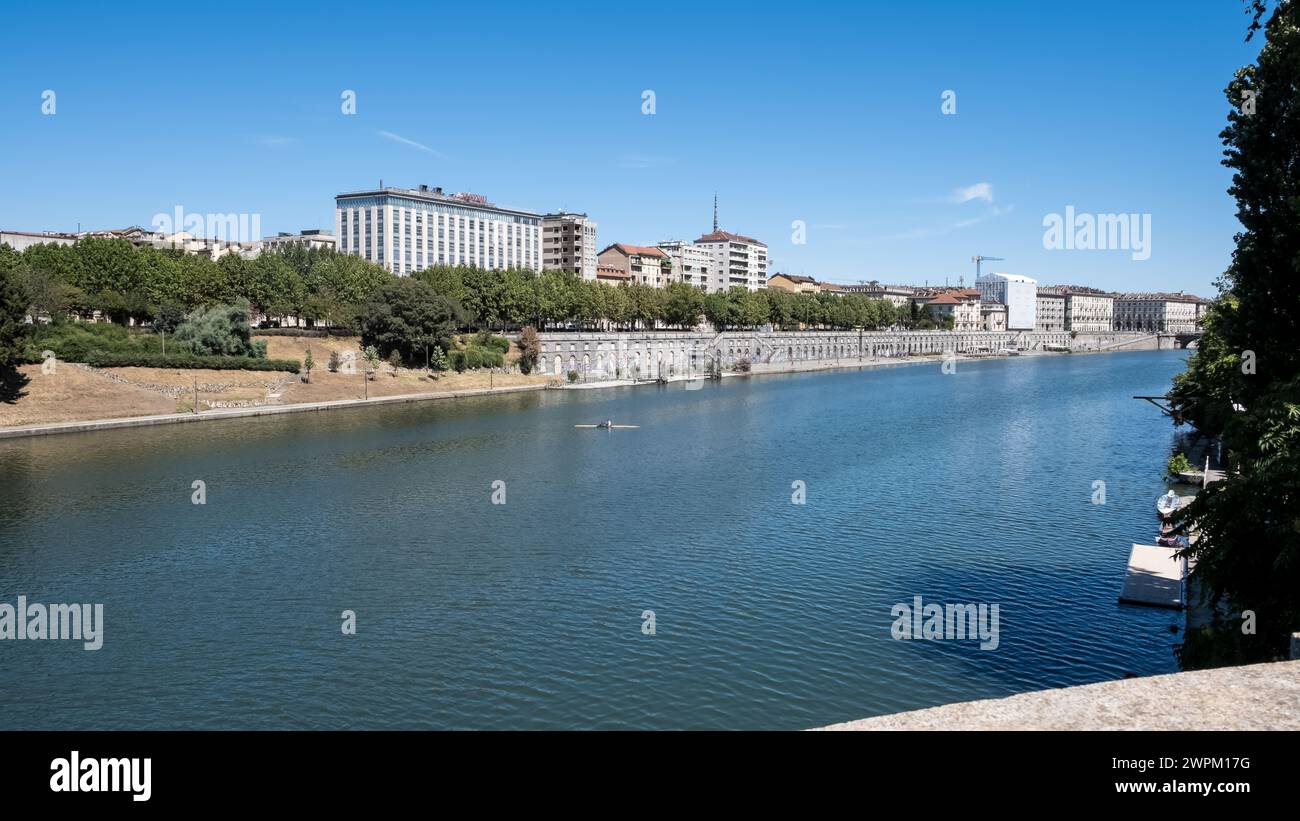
[(569, 244), (691, 263), (736, 260), (408, 230), (1018, 293)]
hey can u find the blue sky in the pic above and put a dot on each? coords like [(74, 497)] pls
[(827, 113)]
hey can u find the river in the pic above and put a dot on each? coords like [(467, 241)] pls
[(971, 487)]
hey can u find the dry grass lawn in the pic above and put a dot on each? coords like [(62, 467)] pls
[(71, 394), (74, 394)]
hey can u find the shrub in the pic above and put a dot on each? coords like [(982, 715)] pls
[(189, 361), (525, 365), (334, 364), (75, 341), (474, 357), (573, 376), (395, 359), (221, 330), (1180, 464), (437, 359), (487, 340), (312, 332)]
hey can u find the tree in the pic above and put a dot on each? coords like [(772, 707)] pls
[(13, 313), (308, 362), (395, 360), (530, 349), (406, 315), (334, 362), (1243, 383), (222, 330)]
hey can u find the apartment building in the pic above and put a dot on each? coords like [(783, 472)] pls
[(899, 295), (1019, 293), (736, 260), (993, 316), (961, 304), (793, 283), (691, 263), (307, 238), (1049, 311), (1157, 312), (569, 244), (408, 230), (643, 264), (1087, 310)]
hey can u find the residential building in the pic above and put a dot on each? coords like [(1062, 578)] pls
[(1049, 311), (307, 238), (736, 260), (900, 295), (612, 276), (1087, 310), (691, 263), (408, 230), (1157, 312), (993, 316), (643, 264), (1019, 293), (961, 304), (793, 283), (22, 240), (832, 288), (569, 244)]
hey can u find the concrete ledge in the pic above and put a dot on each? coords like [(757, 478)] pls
[(1253, 697), (236, 413)]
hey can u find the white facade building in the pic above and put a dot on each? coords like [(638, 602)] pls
[(569, 244), (692, 263), (735, 260), (408, 230), (308, 238), (1018, 293)]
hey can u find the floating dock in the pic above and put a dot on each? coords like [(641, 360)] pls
[(1155, 577)]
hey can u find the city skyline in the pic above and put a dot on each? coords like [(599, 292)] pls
[(854, 151)]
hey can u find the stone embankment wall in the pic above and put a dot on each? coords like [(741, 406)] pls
[(649, 355)]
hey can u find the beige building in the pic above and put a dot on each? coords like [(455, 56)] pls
[(307, 238), (963, 306), (642, 264), (793, 283), (993, 316), (1157, 312), (736, 260), (1087, 310), (1049, 311), (569, 244), (691, 263), (898, 295)]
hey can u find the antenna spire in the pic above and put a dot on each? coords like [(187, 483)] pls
[(715, 212)]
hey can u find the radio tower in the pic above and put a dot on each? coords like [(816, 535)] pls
[(715, 212)]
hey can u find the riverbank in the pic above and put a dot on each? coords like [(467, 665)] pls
[(77, 388), (1254, 697)]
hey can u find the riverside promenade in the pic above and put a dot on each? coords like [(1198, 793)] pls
[(1252, 697)]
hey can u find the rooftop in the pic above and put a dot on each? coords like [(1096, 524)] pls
[(727, 236)]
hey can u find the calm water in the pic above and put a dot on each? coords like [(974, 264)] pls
[(972, 487)]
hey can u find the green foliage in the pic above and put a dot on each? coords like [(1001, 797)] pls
[(573, 376), (222, 330), (308, 362), (1179, 463), (475, 357), (13, 311), (334, 362), (101, 359), (76, 341), (406, 315), (1248, 556), (437, 359), (395, 360)]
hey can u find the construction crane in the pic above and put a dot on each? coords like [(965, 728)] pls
[(977, 259)]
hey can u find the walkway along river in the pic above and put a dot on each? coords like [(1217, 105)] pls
[(971, 487)]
